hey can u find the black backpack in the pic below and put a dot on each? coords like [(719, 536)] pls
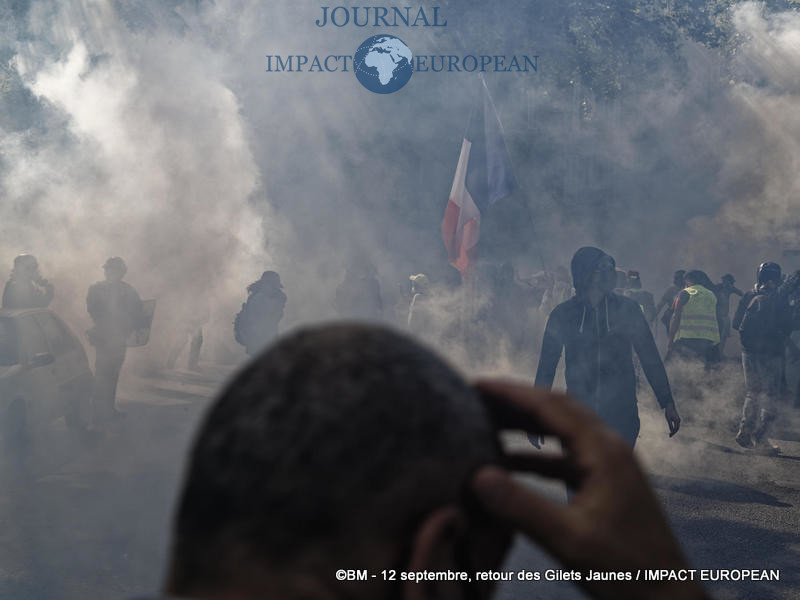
[(238, 325), (762, 318)]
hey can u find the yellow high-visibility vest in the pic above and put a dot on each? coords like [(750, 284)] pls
[(699, 316)]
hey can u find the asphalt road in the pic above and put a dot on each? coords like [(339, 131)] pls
[(730, 508), (89, 517)]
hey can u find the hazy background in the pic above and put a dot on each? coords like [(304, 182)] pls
[(665, 132)]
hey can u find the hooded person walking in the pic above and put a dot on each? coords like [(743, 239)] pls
[(598, 331)]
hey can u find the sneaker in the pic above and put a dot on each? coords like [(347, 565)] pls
[(744, 439)]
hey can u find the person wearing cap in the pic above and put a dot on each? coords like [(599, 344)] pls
[(256, 325), (26, 288), (644, 299), (598, 330), (116, 310)]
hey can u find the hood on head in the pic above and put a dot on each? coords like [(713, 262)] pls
[(584, 263)]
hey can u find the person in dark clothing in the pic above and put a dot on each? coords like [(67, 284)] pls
[(256, 325), (116, 310), (668, 297), (765, 324), (598, 330), (643, 298), (724, 292), (358, 296), (26, 288)]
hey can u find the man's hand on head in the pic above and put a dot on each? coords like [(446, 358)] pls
[(613, 522)]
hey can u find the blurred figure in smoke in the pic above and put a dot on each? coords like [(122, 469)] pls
[(26, 288), (599, 329), (668, 298), (560, 291), (359, 294), (764, 324), (621, 285), (508, 307), (190, 328), (724, 292), (256, 325), (420, 312), (644, 299), (693, 330), (116, 310)]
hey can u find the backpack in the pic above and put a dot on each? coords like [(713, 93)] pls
[(762, 324), (239, 325)]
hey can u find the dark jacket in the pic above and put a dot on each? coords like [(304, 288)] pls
[(598, 344), (20, 293), (747, 298), (256, 325), (116, 309), (765, 324)]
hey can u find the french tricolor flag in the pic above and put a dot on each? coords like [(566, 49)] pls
[(483, 176)]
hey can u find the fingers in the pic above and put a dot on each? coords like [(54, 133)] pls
[(546, 465), (507, 414), (522, 509), (516, 405), (673, 420)]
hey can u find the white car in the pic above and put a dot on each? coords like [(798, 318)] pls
[(44, 373)]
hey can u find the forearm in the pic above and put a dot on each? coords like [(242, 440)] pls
[(548, 362), (546, 372), (653, 367), (673, 327)]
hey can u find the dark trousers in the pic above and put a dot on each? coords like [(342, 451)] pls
[(107, 366)]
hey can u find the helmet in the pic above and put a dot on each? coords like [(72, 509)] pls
[(115, 262), (769, 271), (728, 278)]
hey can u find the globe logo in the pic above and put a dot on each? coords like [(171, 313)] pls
[(383, 64)]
